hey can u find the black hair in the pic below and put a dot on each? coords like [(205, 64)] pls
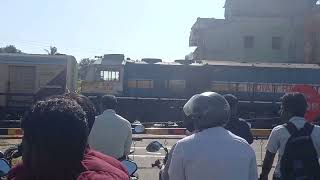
[(232, 100), (109, 102), (295, 104), (57, 127), (86, 105)]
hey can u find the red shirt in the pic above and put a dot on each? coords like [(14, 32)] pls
[(97, 166)]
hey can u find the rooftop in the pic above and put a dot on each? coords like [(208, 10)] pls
[(243, 64), (11, 58)]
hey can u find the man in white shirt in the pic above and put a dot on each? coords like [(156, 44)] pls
[(111, 134), (293, 109), (213, 152)]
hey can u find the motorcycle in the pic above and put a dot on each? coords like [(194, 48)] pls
[(155, 146), (126, 161), (132, 167), (4, 168), (6, 159), (14, 152)]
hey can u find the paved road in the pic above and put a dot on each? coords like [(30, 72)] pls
[(144, 159)]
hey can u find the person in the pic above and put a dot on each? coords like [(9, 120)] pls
[(316, 120), (111, 134), (292, 112), (87, 106), (212, 152), (237, 125), (55, 146)]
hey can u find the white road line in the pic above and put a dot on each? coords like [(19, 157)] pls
[(139, 147), (154, 153), (146, 156)]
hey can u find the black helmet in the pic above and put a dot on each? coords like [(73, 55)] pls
[(207, 110)]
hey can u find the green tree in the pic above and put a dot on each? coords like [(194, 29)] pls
[(10, 49), (84, 67), (52, 51)]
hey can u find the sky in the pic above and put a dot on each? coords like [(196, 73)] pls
[(84, 29)]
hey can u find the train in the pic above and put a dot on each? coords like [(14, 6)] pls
[(150, 89), (26, 78)]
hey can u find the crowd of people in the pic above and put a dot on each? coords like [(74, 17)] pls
[(64, 139)]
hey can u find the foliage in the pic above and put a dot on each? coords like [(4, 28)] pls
[(10, 49), (52, 51), (84, 67)]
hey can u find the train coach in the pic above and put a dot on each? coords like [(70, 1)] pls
[(26, 78), (258, 86)]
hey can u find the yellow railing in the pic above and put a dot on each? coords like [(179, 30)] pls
[(158, 132)]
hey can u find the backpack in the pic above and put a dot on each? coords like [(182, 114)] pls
[(300, 160)]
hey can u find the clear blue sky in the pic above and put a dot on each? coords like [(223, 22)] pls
[(136, 28)]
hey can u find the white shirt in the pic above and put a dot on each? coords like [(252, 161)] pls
[(111, 134), (213, 154), (280, 135)]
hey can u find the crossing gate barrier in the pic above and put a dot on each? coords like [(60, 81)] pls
[(257, 133)]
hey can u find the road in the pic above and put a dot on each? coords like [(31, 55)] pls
[(144, 159)]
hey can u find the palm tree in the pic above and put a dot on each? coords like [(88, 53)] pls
[(53, 51)]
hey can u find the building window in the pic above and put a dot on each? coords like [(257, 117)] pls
[(110, 75), (276, 43), (140, 83), (248, 42)]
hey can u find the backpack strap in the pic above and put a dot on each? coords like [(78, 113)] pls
[(292, 129), (308, 128)]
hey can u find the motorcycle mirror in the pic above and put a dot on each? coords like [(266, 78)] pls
[(154, 146), (131, 166), (4, 167), (139, 128)]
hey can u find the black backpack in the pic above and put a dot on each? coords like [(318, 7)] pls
[(300, 160)]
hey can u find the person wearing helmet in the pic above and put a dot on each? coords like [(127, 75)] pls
[(212, 152), (237, 125)]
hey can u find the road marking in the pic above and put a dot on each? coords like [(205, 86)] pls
[(145, 156), (154, 153), (140, 147)]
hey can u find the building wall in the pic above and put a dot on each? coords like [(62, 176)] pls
[(312, 37), (226, 41), (267, 8)]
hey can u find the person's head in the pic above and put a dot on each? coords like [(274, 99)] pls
[(206, 110), (233, 102), (109, 102), (293, 104), (86, 105), (55, 136), (316, 120)]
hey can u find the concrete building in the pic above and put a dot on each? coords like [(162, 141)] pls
[(253, 31), (312, 36)]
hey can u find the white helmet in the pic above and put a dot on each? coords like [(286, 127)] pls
[(207, 110)]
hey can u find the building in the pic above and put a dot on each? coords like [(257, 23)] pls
[(312, 36), (253, 31)]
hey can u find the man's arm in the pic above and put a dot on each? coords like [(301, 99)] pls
[(248, 135), (127, 145), (165, 170), (176, 169), (253, 172), (267, 165), (271, 150)]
